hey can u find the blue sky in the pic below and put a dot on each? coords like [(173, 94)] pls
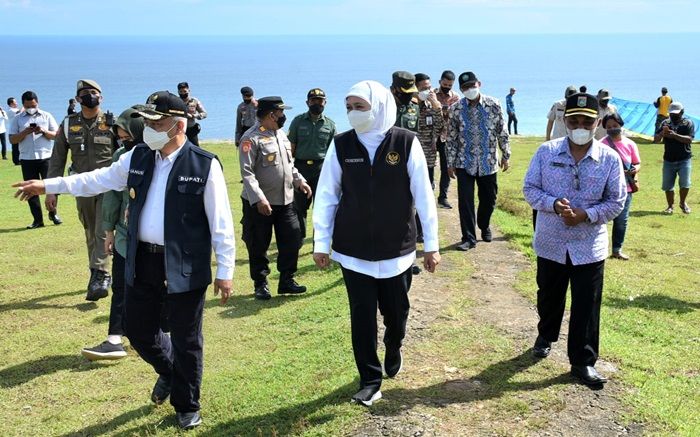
[(331, 17)]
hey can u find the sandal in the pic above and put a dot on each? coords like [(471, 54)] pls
[(668, 211), (685, 208)]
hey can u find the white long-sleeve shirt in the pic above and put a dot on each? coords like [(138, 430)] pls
[(152, 220), (328, 194)]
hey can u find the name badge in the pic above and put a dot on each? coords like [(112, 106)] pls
[(429, 120), (102, 140)]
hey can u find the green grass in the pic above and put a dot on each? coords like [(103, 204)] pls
[(285, 366), (270, 368), (650, 319)]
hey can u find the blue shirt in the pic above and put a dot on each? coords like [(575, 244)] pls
[(596, 184), (510, 107), (34, 146)]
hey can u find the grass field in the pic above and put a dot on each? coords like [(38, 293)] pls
[(285, 366)]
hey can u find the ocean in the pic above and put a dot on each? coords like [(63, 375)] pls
[(540, 67)]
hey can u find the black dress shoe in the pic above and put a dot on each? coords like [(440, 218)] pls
[(161, 391), (55, 218), (588, 375), (393, 361), (542, 348), (443, 203), (367, 396), (486, 235), (262, 292), (35, 225), (99, 286), (290, 286), (189, 420)]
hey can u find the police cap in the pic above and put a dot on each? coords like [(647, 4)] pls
[(271, 102)]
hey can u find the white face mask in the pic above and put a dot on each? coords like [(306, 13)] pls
[(423, 95), (31, 111), (580, 136), (156, 140), (471, 93), (361, 121)]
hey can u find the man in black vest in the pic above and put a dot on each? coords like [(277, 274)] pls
[(178, 211), (373, 180)]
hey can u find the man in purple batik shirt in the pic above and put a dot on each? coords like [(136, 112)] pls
[(577, 185)]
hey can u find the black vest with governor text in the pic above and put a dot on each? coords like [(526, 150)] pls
[(376, 217)]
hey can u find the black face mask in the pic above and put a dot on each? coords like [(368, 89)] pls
[(90, 101), (247, 100), (183, 96), (445, 90), (316, 109), (405, 98), (675, 118), (280, 121)]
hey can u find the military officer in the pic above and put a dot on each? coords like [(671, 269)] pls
[(195, 111), (269, 180), (310, 134), (89, 137), (403, 87), (245, 113)]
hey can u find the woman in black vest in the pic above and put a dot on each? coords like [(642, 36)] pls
[(373, 180)]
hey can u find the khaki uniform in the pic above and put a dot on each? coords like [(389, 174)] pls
[(245, 118), (266, 166), (268, 173), (91, 144)]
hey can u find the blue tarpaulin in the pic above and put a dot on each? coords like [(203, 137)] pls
[(641, 117)]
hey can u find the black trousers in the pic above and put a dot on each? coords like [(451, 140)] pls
[(3, 144), (35, 169), (192, 133), (488, 189), (311, 173), (512, 118), (178, 357), (116, 310), (365, 294), (586, 292), (444, 177), (257, 234)]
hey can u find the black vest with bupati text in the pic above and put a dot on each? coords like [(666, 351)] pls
[(186, 228), (376, 218)]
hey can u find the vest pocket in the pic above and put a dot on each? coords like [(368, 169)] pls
[(194, 254)]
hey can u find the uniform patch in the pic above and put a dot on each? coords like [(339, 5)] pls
[(393, 158), (271, 157), (132, 193), (581, 103), (75, 128), (245, 146), (103, 126)]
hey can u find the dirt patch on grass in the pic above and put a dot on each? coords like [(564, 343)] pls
[(455, 392)]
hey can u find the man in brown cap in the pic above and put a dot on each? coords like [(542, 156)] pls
[(89, 137)]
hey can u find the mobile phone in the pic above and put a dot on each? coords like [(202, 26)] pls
[(32, 125)]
